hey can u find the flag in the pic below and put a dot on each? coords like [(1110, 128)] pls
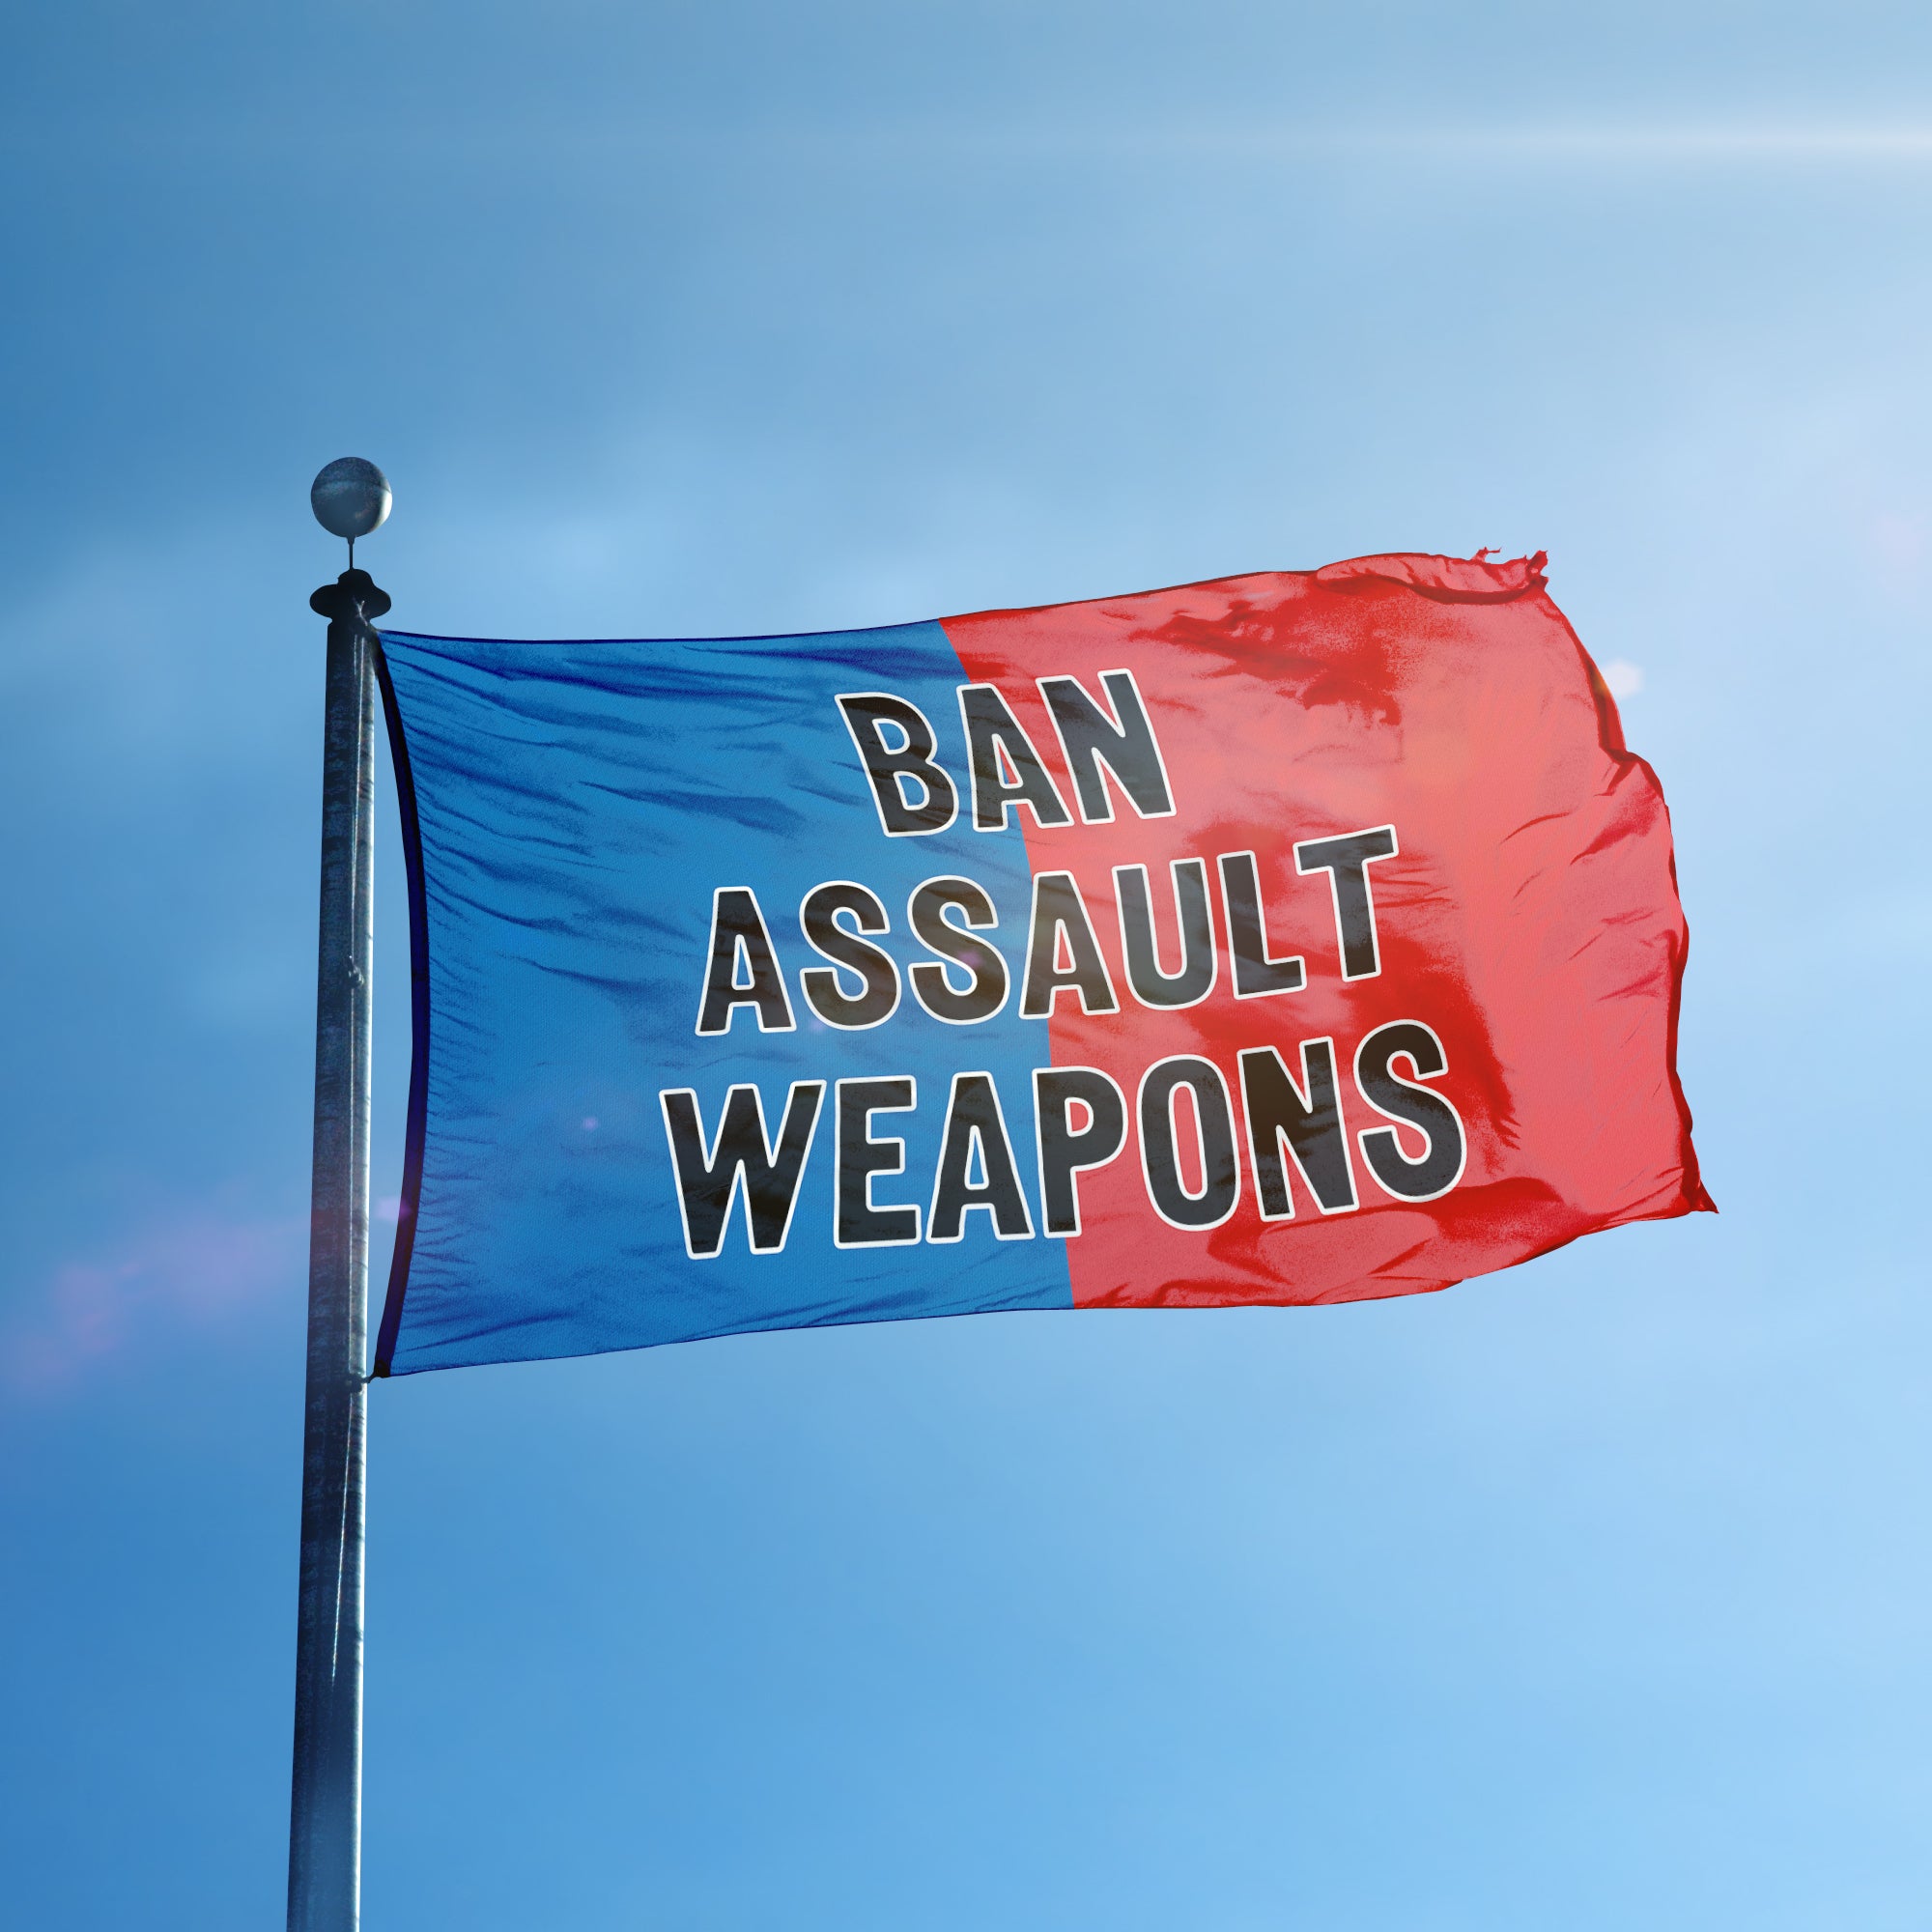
[(1291, 938)]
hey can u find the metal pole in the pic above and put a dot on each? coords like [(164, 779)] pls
[(325, 1821)]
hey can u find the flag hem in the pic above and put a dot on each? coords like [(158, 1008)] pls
[(415, 1130)]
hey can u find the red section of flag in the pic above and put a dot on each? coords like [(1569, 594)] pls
[(1529, 918)]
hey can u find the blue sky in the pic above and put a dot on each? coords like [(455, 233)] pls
[(1590, 1593)]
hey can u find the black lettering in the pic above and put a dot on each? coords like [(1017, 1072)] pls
[(996, 744), (856, 1222), (738, 933), (1058, 914), (1347, 861), (1255, 975), (1066, 1150), (1306, 1120), (1195, 980), (933, 987), (1215, 1130), (878, 995), (1440, 1165), (976, 1125), (893, 768), (708, 1178), (1123, 744)]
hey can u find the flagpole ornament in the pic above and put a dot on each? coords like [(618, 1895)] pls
[(349, 497)]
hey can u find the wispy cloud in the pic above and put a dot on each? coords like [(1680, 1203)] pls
[(1633, 144), (545, 144), (1645, 142), (189, 1269)]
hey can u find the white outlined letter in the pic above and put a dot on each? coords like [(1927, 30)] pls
[(1199, 965), (1255, 975), (1059, 921), (1005, 767), (1214, 1143), (1066, 1150), (1305, 1121), (976, 1125), (738, 932), (931, 985), (741, 1158), (856, 1223), (1347, 861), (869, 714), (877, 999), (1410, 1105), (1094, 745)]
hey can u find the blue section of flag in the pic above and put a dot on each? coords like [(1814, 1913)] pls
[(577, 806)]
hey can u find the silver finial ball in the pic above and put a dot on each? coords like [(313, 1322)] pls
[(349, 497)]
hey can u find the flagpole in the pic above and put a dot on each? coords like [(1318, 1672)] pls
[(350, 498)]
